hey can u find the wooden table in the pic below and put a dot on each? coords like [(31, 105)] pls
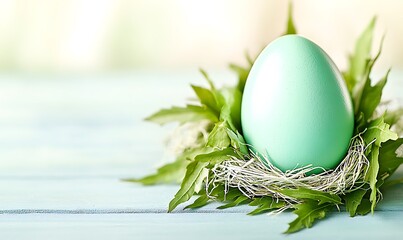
[(67, 140)]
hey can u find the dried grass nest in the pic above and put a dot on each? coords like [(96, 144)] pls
[(257, 178)]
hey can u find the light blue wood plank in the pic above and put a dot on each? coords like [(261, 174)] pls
[(82, 193), (383, 225), (107, 195), (51, 122)]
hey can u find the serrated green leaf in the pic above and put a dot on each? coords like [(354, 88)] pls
[(290, 22), (242, 199), (199, 202), (228, 100), (308, 211), (242, 73), (218, 192), (372, 175), (359, 59), (237, 141), (360, 123), (218, 138), (233, 197), (265, 204), (194, 177), (353, 200), (305, 193), (207, 98), (257, 201), (379, 130), (362, 88), (231, 109), (199, 185), (371, 97), (208, 79), (364, 208), (169, 173), (190, 113), (232, 194), (216, 157), (389, 159)]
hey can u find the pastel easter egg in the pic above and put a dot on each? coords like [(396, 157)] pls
[(296, 110)]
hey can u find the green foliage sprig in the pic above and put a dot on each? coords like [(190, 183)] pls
[(219, 109)]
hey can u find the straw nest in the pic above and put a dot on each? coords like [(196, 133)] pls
[(255, 179)]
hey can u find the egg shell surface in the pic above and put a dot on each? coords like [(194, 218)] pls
[(296, 110)]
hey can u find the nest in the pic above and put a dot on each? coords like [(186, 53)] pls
[(255, 179)]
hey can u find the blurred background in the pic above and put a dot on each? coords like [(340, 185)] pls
[(115, 35), (78, 76)]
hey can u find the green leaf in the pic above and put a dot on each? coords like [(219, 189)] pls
[(237, 141), (242, 199), (308, 211), (218, 138), (379, 130), (242, 73), (233, 197), (359, 59), (199, 202), (372, 175), (217, 192), (265, 204), (258, 201), (208, 79), (290, 23), (216, 157), (200, 184), (353, 200), (195, 175), (371, 97), (389, 159), (362, 88), (207, 98), (305, 193), (231, 109), (169, 173), (360, 123), (365, 207), (190, 113), (230, 113), (231, 194)]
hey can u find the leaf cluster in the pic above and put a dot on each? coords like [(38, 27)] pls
[(222, 108), (381, 140)]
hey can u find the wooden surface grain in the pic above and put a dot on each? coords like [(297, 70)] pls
[(66, 141)]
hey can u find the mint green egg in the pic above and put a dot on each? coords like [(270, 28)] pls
[(296, 109)]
